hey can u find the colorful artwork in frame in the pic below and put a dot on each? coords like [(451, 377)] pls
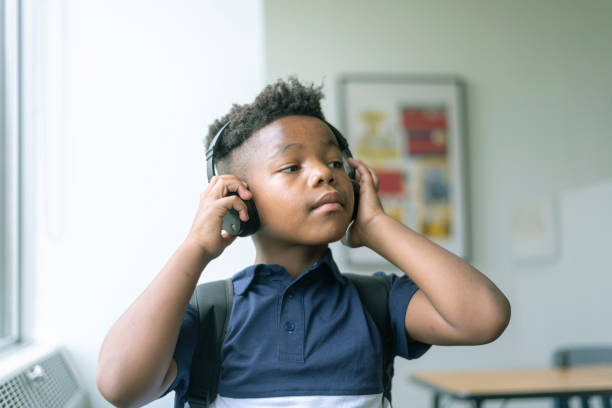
[(411, 131)]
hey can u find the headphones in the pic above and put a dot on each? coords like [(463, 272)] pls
[(232, 222)]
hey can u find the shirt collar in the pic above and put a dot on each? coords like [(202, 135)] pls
[(242, 280)]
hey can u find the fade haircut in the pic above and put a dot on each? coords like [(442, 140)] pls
[(279, 99)]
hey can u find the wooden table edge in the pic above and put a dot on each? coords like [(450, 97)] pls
[(482, 395)]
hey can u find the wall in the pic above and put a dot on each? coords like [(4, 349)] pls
[(114, 164), (114, 158), (540, 126)]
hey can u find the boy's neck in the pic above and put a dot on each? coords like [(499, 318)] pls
[(294, 258)]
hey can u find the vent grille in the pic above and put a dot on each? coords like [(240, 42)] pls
[(48, 383), (57, 385), (13, 395)]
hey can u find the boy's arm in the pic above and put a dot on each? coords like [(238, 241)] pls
[(136, 365), (456, 303)]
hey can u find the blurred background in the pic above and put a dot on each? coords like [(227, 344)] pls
[(116, 97)]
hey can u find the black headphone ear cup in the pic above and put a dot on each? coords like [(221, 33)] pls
[(356, 193), (231, 222), (252, 224), (235, 226)]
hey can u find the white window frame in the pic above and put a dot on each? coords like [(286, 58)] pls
[(10, 171)]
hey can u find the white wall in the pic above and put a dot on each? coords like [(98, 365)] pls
[(114, 164), (114, 159), (540, 125)]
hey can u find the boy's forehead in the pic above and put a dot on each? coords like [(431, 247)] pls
[(291, 132)]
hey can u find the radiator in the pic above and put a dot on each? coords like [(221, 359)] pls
[(40, 377)]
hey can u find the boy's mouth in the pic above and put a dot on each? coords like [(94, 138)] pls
[(329, 207), (329, 201)]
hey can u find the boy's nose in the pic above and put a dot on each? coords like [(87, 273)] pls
[(321, 173)]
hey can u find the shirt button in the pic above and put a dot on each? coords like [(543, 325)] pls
[(290, 327), (290, 295)]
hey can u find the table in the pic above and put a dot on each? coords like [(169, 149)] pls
[(479, 386)]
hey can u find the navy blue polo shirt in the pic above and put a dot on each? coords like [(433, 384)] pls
[(300, 337)]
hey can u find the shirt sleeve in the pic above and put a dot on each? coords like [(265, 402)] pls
[(400, 294), (183, 354)]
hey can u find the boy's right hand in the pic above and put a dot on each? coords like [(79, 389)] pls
[(214, 204)]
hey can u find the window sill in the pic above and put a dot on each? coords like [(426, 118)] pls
[(15, 357)]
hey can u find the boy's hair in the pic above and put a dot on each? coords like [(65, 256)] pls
[(276, 100)]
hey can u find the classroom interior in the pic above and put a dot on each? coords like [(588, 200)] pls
[(117, 97)]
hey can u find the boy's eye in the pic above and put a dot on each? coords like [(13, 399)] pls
[(290, 169), (334, 164)]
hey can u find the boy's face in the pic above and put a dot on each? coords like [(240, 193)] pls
[(300, 188)]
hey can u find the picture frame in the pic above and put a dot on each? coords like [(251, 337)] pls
[(412, 131)]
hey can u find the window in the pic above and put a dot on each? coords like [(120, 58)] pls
[(10, 92)]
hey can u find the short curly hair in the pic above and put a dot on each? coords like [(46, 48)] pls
[(279, 99)]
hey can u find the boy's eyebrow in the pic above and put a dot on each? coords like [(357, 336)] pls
[(299, 146)]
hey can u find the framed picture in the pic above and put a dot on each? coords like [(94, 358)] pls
[(411, 131)]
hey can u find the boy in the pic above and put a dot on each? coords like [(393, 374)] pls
[(298, 334)]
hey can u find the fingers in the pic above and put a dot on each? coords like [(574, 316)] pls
[(231, 192), (224, 184), (375, 179), (233, 202), (365, 173), (227, 238)]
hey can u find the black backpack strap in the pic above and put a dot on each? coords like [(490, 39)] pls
[(374, 295), (213, 304)]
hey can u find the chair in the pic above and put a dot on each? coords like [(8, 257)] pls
[(572, 356)]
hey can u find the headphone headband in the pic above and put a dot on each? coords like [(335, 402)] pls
[(210, 155)]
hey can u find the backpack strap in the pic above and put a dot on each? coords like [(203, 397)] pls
[(213, 304), (374, 295)]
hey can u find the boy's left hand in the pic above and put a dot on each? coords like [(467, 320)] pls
[(369, 205)]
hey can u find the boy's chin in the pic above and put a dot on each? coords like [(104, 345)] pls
[(339, 235), (320, 236), (327, 237)]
